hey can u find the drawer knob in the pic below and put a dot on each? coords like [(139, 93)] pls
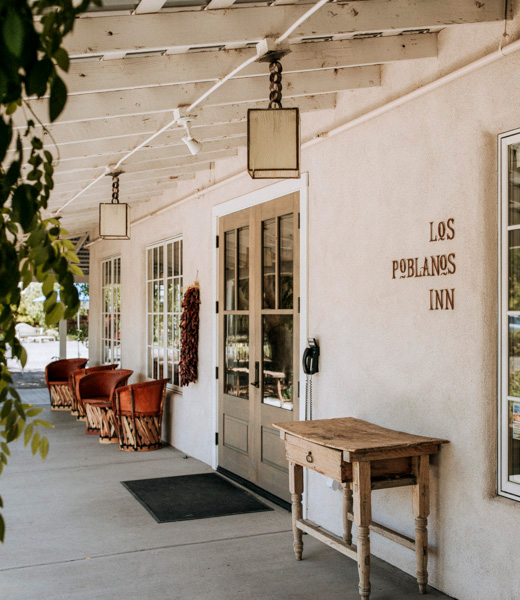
[(309, 457)]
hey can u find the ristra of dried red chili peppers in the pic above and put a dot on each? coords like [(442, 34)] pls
[(190, 335)]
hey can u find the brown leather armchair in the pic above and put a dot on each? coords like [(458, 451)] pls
[(57, 380), (77, 407), (96, 393), (138, 415)]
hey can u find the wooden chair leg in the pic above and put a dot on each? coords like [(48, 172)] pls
[(61, 397), (107, 431), (362, 517), (93, 420), (296, 489), (421, 510)]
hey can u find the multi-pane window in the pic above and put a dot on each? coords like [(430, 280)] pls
[(111, 310), (509, 326), (164, 299)]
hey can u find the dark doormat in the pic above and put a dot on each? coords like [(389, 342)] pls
[(190, 497)]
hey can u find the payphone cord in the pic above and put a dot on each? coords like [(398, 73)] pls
[(308, 398)]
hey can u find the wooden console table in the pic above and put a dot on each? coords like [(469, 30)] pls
[(362, 457)]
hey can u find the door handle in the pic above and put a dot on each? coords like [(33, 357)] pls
[(256, 382)]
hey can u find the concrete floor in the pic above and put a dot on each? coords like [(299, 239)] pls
[(75, 533)]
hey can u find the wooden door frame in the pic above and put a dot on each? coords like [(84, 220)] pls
[(277, 190)]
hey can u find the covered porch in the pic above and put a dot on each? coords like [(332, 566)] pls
[(391, 251), (74, 532)]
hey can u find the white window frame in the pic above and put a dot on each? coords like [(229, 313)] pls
[(507, 488), (114, 342), (167, 345)]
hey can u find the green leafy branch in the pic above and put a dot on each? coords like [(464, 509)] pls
[(31, 247)]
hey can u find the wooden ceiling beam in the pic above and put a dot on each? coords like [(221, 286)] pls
[(175, 147), (219, 4), (89, 77), (141, 159), (149, 6), (88, 177), (126, 188), (92, 202), (143, 125), (127, 178), (245, 25), (91, 213), (90, 148), (173, 169), (146, 101)]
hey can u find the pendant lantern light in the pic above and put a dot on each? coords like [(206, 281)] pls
[(273, 134), (113, 216)]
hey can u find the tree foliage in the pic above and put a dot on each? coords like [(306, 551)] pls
[(32, 57), (31, 311)]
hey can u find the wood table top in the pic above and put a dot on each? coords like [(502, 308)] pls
[(354, 435)]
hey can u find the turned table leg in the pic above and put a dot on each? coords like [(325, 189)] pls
[(347, 509), (421, 510), (362, 516), (296, 489)]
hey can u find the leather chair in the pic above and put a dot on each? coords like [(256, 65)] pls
[(57, 380), (138, 414), (78, 410), (96, 393)]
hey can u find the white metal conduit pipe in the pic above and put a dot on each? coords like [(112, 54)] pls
[(190, 108), (469, 68), (425, 89)]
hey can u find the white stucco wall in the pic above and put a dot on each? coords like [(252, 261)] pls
[(385, 357)]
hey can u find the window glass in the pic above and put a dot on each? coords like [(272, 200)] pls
[(111, 310), (514, 184), (509, 398), (164, 289)]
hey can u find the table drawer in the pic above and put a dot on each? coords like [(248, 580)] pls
[(313, 456)]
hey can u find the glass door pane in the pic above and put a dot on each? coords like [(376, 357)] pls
[(243, 268), (286, 253), (277, 334), (269, 263), (236, 355), (230, 258)]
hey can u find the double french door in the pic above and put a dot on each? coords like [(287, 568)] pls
[(258, 339)]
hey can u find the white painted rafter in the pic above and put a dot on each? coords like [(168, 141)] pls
[(137, 125), (148, 101), (144, 172), (156, 71), (246, 25), (140, 162), (129, 178), (118, 145), (219, 4), (177, 167), (125, 195), (173, 152), (127, 188), (149, 6)]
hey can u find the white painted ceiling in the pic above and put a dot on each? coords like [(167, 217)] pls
[(134, 62)]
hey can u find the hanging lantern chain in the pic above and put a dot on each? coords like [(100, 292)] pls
[(115, 189), (275, 85)]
